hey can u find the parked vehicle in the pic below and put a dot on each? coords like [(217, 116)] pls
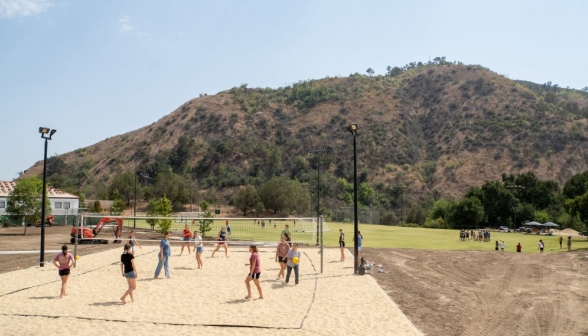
[(503, 229)]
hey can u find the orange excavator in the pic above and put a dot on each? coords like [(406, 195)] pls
[(88, 235)]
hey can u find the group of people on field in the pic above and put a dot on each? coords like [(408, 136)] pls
[(479, 235)]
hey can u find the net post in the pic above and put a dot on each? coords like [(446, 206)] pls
[(76, 225), (321, 237)]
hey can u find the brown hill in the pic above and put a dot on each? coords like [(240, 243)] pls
[(437, 128)]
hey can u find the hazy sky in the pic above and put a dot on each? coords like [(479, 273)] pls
[(95, 69)]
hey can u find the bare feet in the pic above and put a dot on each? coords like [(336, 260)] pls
[(261, 297), (156, 277), (248, 298), (123, 300)]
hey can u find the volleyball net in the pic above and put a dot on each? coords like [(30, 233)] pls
[(239, 231)]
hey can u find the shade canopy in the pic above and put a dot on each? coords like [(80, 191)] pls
[(550, 224), (533, 224)]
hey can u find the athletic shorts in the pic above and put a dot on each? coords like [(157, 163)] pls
[(186, 239), (359, 248), (131, 275), (199, 249), (282, 259), (341, 243), (221, 243), (64, 272), (541, 249), (255, 275)]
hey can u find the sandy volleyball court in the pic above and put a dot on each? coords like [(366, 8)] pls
[(208, 300)]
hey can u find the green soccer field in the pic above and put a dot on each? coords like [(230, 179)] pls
[(436, 239)]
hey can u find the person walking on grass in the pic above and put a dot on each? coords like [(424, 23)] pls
[(569, 243), (497, 245), (342, 244), (222, 238), (163, 256), (560, 242), (254, 272), (502, 246), (66, 261), (186, 239), (281, 256), (287, 234), (228, 228), (129, 271), (198, 248), (133, 241), (541, 246), (293, 263)]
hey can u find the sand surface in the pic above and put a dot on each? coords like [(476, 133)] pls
[(208, 300)]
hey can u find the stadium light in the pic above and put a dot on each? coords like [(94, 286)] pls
[(47, 134), (319, 151), (353, 129)]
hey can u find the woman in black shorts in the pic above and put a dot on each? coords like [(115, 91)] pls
[(66, 261), (129, 271), (281, 256), (254, 272)]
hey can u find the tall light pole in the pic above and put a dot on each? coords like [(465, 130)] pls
[(135, 158), (319, 151), (400, 188), (47, 134), (515, 187), (353, 129)]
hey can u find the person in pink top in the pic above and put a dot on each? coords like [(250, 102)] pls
[(66, 261), (254, 272)]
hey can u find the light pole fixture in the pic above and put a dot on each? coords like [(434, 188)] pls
[(353, 129), (400, 188), (319, 151), (135, 158), (47, 134)]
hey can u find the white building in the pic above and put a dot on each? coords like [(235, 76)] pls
[(62, 203)]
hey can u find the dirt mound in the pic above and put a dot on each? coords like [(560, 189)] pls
[(565, 232)]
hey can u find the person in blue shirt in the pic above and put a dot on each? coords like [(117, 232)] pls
[(164, 254), (359, 240)]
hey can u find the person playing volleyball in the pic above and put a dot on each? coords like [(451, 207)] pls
[(164, 254), (281, 254), (254, 272), (342, 244), (66, 261), (129, 271), (222, 237), (186, 239), (198, 248), (293, 261), (133, 241)]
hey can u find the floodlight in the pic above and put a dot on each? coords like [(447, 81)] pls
[(352, 128), (44, 130)]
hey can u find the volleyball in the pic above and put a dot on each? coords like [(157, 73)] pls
[(77, 257), (295, 260)]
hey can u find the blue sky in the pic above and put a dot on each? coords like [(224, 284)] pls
[(95, 69)]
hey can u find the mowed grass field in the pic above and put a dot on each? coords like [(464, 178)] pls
[(436, 239), (377, 236)]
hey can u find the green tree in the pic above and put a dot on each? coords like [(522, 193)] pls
[(576, 185), (118, 205), (160, 207), (246, 199), (96, 207), (25, 200), (370, 71), (124, 184), (283, 195), (442, 209), (173, 187), (468, 213), (205, 224)]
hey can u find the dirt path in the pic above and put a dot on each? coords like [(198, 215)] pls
[(487, 293)]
